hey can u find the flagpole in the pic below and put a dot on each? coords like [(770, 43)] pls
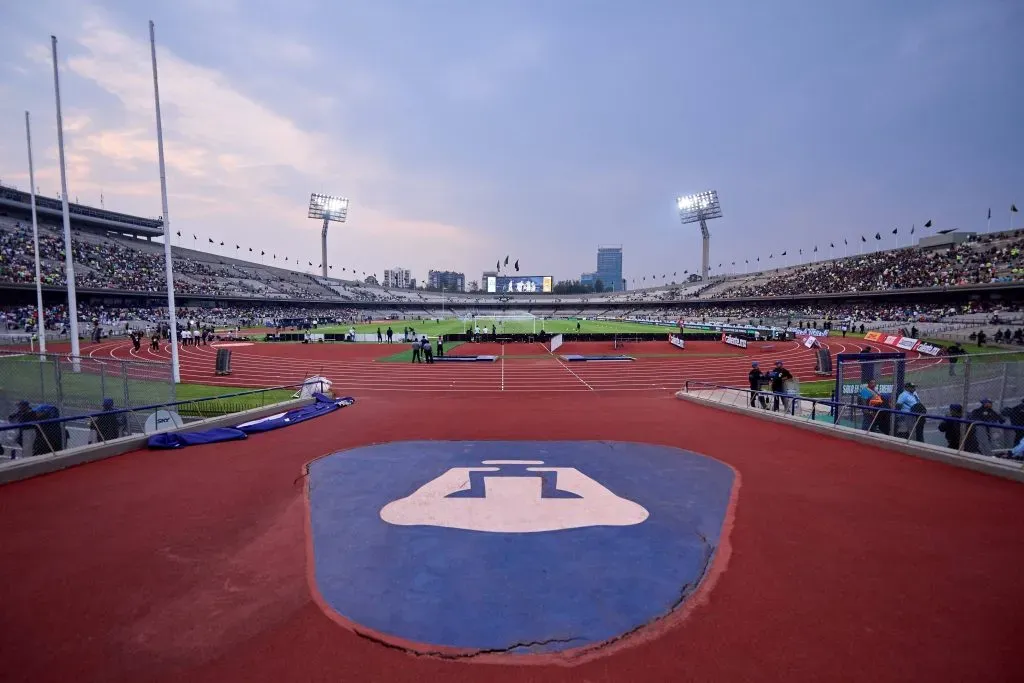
[(35, 244), (69, 264), (168, 260)]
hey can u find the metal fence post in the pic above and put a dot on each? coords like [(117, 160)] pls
[(1002, 387), (124, 383), (967, 383), (58, 384), (103, 382)]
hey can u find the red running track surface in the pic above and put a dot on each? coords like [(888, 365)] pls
[(519, 368), (848, 562)]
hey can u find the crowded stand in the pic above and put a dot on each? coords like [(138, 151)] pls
[(983, 259)]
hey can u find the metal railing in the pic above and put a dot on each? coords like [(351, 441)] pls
[(973, 437), (50, 436)]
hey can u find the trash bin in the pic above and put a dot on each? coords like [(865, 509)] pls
[(223, 362)]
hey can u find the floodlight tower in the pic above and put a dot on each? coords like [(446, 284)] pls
[(327, 208), (700, 208)]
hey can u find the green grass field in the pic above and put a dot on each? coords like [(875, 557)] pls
[(23, 377), (455, 326)]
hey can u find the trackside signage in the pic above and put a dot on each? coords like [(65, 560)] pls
[(904, 343), (676, 341), (734, 341)]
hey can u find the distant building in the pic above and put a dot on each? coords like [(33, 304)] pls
[(447, 280), (371, 280), (609, 271), (398, 278)]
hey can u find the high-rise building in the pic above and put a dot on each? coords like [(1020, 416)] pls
[(609, 270), (397, 278), (447, 280)]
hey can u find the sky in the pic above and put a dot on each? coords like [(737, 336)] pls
[(464, 131)]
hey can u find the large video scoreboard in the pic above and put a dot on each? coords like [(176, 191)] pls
[(519, 284)]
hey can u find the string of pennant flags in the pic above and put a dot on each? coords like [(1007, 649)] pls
[(346, 272), (283, 260), (864, 239)]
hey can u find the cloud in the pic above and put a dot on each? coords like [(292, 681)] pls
[(485, 76), (238, 169)]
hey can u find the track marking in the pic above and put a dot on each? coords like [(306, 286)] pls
[(503, 367)]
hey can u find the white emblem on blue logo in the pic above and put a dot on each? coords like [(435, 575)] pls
[(514, 547)]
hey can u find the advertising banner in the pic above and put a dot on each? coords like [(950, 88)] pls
[(734, 341)]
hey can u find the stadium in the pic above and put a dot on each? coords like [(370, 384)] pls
[(216, 468)]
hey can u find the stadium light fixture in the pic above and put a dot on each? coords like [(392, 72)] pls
[(700, 208), (327, 208)]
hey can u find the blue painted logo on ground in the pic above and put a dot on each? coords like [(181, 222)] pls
[(513, 546)]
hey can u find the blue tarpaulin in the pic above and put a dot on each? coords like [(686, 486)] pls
[(172, 440), (321, 406)]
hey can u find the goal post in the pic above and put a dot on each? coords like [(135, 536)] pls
[(520, 323)]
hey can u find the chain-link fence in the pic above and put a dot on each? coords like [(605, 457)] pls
[(985, 388), (78, 386)]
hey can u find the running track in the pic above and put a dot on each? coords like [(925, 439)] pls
[(525, 368)]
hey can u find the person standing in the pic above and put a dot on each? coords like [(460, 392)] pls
[(779, 376), (754, 379), (428, 350), (380, 336), (440, 346), (417, 348), (391, 334), (908, 402)]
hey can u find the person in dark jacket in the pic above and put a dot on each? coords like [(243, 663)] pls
[(109, 425), (979, 439), (755, 378), (778, 377), (951, 429)]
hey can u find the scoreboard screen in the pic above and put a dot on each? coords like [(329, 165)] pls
[(519, 284)]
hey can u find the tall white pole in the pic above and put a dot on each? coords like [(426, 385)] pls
[(41, 324), (69, 265), (169, 262)]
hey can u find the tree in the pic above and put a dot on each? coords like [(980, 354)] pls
[(599, 286)]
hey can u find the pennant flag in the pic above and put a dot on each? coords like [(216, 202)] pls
[(498, 265), (285, 258), (237, 247), (211, 240), (746, 261), (784, 253), (771, 255), (222, 244), (506, 260), (990, 213), (912, 228), (194, 237), (1013, 208), (801, 251), (263, 253), (517, 265), (179, 233), (250, 249), (863, 239), (894, 230), (685, 272), (815, 248), (947, 231), (673, 274), (758, 259), (832, 245), (319, 265), (847, 243), (310, 263), (878, 236), (928, 224)]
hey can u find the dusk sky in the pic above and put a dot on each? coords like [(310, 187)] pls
[(466, 130)]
